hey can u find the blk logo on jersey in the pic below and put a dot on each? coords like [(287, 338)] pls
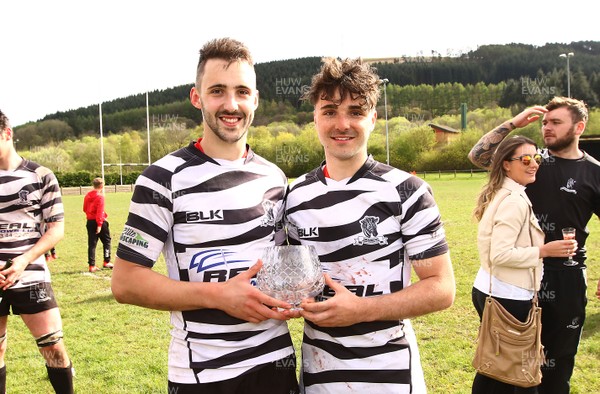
[(211, 215), (570, 188), (308, 232), (368, 225)]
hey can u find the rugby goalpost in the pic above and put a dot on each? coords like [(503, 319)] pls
[(121, 164)]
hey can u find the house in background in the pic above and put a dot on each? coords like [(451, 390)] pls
[(444, 134)]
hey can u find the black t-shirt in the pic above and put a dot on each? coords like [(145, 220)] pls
[(565, 194)]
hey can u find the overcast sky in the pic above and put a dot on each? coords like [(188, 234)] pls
[(60, 55)]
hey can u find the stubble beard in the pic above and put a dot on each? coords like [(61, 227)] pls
[(219, 129)]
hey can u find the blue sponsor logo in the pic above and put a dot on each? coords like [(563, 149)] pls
[(212, 258)]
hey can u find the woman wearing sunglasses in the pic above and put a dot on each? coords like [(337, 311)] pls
[(510, 239)]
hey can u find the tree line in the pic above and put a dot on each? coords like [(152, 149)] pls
[(422, 102), (294, 148), (426, 86), (420, 90)]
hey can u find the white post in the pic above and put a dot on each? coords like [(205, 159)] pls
[(568, 76), (387, 138), (148, 127), (120, 164), (101, 142), (568, 55)]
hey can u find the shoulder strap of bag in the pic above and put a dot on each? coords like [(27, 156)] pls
[(535, 288), (490, 262)]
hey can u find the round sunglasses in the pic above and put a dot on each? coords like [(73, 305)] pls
[(527, 158)]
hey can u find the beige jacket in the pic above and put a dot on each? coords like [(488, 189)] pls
[(509, 237)]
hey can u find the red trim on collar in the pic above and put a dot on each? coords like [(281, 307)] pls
[(199, 147)]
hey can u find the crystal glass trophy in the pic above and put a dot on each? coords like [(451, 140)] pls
[(290, 273)]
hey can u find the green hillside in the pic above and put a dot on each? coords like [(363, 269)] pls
[(509, 76)]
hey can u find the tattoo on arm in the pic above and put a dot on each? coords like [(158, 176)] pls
[(482, 152)]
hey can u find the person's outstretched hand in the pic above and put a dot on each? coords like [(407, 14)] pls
[(243, 300)]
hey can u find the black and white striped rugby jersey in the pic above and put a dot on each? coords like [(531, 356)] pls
[(211, 220), (366, 231), (29, 198)]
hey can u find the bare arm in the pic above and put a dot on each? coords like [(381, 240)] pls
[(139, 285), (55, 231), (434, 291), (481, 153)]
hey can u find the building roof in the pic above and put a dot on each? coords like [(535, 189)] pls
[(445, 129)]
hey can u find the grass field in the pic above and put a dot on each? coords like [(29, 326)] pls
[(123, 349)]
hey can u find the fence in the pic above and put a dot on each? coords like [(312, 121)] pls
[(81, 190), (451, 174)]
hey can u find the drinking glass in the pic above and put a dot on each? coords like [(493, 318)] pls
[(569, 233), (290, 273)]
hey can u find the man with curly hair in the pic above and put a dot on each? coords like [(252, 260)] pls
[(371, 225)]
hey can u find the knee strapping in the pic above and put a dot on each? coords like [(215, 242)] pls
[(49, 339)]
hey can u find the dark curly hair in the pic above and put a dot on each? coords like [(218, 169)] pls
[(4, 123), (348, 77)]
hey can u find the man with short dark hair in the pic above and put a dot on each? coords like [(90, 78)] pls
[(30, 199), (211, 208)]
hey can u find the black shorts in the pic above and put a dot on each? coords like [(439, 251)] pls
[(278, 377), (28, 300)]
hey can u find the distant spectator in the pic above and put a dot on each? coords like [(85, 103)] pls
[(97, 225)]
